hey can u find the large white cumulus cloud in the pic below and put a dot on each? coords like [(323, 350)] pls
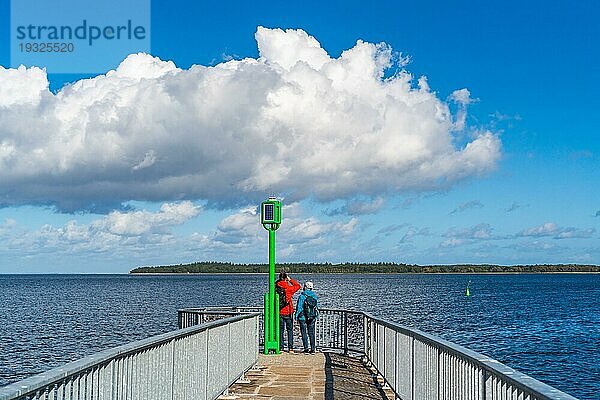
[(294, 122)]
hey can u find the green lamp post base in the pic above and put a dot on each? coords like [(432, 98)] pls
[(271, 322)]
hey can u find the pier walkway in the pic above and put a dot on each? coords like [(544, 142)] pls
[(299, 376)]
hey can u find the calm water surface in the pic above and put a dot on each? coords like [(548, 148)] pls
[(547, 326)]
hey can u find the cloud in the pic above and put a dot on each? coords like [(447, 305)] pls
[(547, 229), (498, 116), (480, 232), (294, 121), (140, 222), (477, 232), (7, 226), (242, 228), (462, 97), (452, 242), (550, 229), (302, 231), (534, 246), (514, 206), (148, 161), (498, 121), (387, 230), (8, 223), (574, 233), (299, 235), (112, 233), (357, 207), (413, 232), (467, 206)]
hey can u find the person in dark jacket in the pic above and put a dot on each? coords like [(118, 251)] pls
[(307, 315), (286, 323)]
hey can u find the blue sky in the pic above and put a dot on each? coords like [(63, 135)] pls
[(525, 192)]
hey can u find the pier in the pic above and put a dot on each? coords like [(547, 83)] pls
[(216, 354), (301, 376)]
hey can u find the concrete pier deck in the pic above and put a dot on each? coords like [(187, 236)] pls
[(295, 376)]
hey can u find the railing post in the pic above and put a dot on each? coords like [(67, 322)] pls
[(396, 386), (345, 314), (412, 368), (173, 369), (366, 337), (383, 364), (482, 393), (439, 374), (207, 372), (228, 355)]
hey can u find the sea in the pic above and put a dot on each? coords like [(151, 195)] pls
[(544, 325)]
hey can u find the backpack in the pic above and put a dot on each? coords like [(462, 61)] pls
[(282, 296), (310, 307)]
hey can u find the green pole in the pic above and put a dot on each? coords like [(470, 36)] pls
[(271, 220), (266, 323), (272, 308), (272, 268)]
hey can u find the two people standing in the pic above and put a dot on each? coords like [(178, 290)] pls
[(306, 312)]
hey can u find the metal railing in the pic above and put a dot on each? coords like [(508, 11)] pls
[(414, 364), (336, 330), (417, 365), (198, 362)]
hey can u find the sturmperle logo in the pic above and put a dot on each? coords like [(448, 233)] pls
[(78, 36)]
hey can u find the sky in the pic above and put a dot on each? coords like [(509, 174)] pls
[(410, 132)]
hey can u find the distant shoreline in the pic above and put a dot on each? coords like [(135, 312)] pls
[(369, 273), (209, 267)]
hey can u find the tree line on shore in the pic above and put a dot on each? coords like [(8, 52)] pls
[(213, 267)]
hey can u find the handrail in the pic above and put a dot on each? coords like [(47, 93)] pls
[(523, 382), (87, 373), (457, 368)]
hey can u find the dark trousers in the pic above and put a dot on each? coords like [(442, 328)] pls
[(286, 323), (308, 325)]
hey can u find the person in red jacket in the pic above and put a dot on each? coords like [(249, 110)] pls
[(286, 287)]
